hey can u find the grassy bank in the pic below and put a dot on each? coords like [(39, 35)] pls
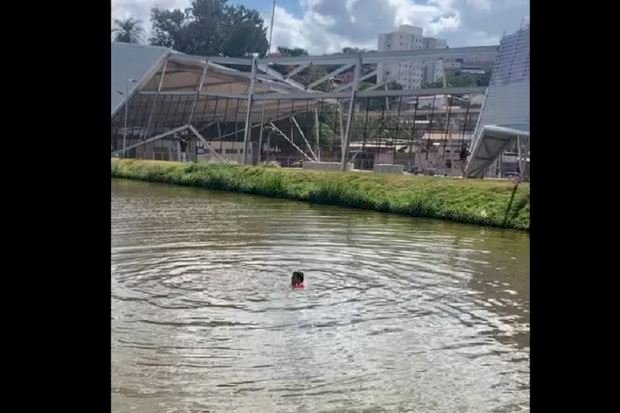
[(483, 202)]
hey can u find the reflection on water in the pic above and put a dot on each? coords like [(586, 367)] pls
[(398, 314)]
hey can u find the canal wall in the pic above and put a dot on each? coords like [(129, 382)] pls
[(483, 202)]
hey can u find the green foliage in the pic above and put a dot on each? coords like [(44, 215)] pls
[(298, 51), (327, 135), (244, 38), (427, 85), (210, 27), (309, 74), (460, 79), (128, 31), (353, 50), (483, 202), (378, 104)]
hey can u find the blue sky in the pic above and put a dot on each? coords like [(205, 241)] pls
[(264, 6), (326, 26)]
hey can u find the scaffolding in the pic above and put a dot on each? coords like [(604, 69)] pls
[(256, 110)]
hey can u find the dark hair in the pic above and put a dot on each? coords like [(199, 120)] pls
[(297, 278)]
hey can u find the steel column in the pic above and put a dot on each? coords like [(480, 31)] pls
[(347, 138), (248, 129)]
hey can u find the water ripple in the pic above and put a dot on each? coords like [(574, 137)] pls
[(399, 314)]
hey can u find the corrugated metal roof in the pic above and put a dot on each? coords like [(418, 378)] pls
[(506, 110), (508, 96), (131, 61)]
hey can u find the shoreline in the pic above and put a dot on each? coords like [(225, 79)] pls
[(494, 203)]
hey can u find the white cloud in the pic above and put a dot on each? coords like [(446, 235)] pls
[(326, 26), (433, 18), (480, 4), (141, 9)]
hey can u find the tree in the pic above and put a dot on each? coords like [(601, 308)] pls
[(327, 135), (378, 103), (394, 86), (210, 27), (288, 52), (460, 79), (241, 14), (167, 25), (350, 50), (309, 74), (298, 51), (245, 38), (484, 79), (428, 85), (315, 72), (128, 31), (245, 33)]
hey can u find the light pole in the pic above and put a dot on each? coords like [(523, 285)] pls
[(126, 94), (273, 15)]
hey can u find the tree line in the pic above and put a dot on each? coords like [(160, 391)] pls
[(207, 27)]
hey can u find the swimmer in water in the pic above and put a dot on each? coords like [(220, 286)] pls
[(297, 280)]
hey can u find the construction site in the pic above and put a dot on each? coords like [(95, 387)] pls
[(168, 105)]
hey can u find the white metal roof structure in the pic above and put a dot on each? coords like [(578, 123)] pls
[(165, 72), (132, 62), (505, 115), (215, 97)]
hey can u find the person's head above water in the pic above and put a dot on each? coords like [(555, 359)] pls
[(297, 280)]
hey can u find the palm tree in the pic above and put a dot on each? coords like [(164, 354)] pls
[(128, 31)]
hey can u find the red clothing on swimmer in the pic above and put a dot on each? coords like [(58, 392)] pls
[(297, 280)]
